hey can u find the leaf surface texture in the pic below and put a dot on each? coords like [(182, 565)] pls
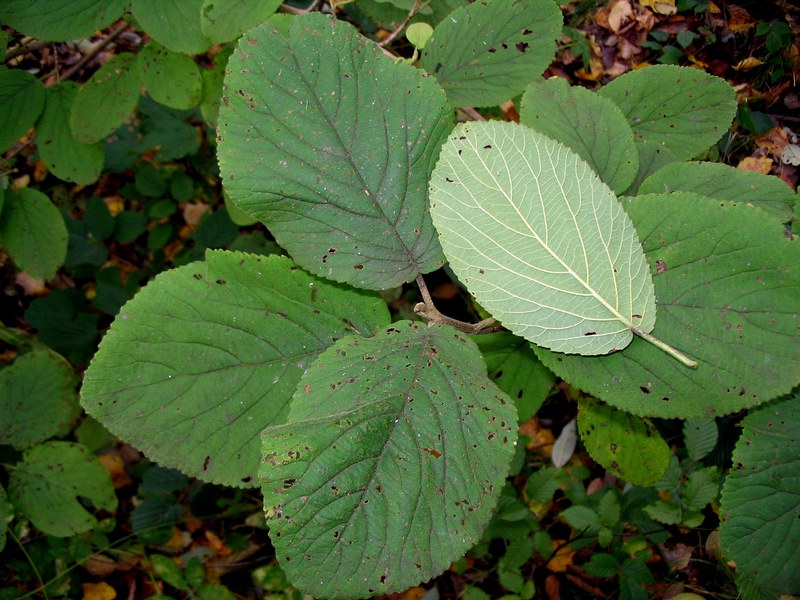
[(330, 143)]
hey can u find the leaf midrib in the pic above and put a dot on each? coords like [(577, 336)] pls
[(628, 324)]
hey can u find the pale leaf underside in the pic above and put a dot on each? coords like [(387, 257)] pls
[(540, 241)]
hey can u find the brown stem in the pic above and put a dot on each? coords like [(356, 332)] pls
[(396, 32), (91, 54), (472, 113), (33, 46), (299, 11), (428, 310)]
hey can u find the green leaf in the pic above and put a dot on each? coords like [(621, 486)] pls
[(609, 509), (652, 157), (486, 53), (726, 294), (158, 480), (225, 20), (38, 399), (168, 570), (511, 580), (175, 24), (582, 518), (60, 20), (628, 446), (634, 573), (754, 121), (66, 157), (701, 489), (700, 437), (678, 108), (514, 368), (539, 240), (167, 129), (518, 552), (543, 483), (665, 512), (6, 514), (419, 34), (330, 143), (216, 349), (749, 589), (34, 233), (195, 573), (46, 485), (22, 97), (392, 13), (605, 536), (760, 504), (64, 323), (215, 591), (390, 465), (672, 479), (475, 593), (723, 182), (171, 78), (601, 565), (152, 520), (105, 101), (212, 87), (150, 181), (587, 123)]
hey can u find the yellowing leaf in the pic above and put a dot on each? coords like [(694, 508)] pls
[(662, 7), (98, 591), (748, 63), (762, 164), (561, 559)]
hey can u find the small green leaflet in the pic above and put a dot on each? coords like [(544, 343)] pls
[(540, 241), (171, 78), (6, 514), (34, 233), (225, 20), (628, 446), (175, 24), (391, 462), (66, 157), (22, 97), (38, 399), (47, 485), (104, 102), (60, 20)]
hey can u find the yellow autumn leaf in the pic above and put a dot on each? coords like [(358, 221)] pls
[(662, 7), (748, 63), (562, 558), (762, 164), (98, 591)]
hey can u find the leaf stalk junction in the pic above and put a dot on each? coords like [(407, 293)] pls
[(427, 309)]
